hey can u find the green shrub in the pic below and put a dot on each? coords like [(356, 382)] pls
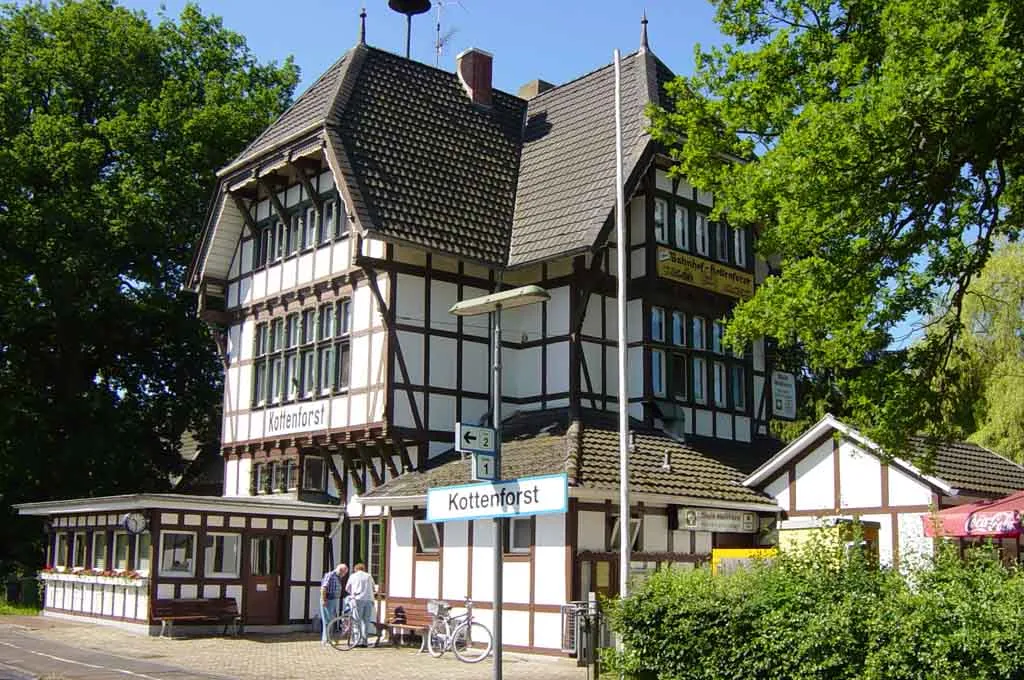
[(824, 615)]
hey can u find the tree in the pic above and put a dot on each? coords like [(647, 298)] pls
[(111, 129), (876, 147)]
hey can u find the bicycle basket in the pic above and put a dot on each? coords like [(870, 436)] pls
[(437, 607)]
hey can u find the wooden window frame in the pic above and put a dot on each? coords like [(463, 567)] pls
[(163, 570), (208, 572), (100, 564), (435, 528)]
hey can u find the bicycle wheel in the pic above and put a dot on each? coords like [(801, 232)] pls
[(472, 642), (437, 638), (340, 632)]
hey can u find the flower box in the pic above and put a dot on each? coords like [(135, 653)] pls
[(95, 579)]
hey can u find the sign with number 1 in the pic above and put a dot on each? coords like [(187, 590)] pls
[(485, 467)]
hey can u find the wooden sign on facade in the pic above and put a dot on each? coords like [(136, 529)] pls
[(696, 271)]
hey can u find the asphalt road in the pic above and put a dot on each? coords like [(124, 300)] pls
[(24, 657)]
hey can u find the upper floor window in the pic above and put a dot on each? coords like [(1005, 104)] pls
[(428, 537), (295, 231), (80, 550), (678, 329), (658, 372), (677, 377), (720, 384), (697, 333), (739, 387), (660, 220), (303, 229), (657, 324), (699, 377), (309, 239), (520, 534), (702, 234), (99, 550), (634, 534), (682, 228), (314, 474), (61, 554), (739, 249), (717, 331), (722, 241)]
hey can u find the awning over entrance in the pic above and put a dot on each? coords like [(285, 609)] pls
[(1000, 518)]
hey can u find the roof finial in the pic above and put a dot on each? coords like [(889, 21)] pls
[(362, 25), (643, 32)]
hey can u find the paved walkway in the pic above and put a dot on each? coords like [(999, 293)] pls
[(251, 657)]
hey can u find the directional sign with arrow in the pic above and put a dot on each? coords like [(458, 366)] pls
[(470, 439)]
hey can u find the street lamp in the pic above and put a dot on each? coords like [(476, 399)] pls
[(493, 304)]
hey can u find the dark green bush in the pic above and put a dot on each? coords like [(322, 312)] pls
[(825, 615)]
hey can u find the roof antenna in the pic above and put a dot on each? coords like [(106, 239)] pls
[(362, 26), (643, 33), (409, 8), (441, 40)]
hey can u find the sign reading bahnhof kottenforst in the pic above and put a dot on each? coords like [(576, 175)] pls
[(511, 498), (697, 271)]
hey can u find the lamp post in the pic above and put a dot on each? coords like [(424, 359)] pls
[(493, 304)]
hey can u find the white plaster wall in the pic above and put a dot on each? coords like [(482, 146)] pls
[(592, 319), (483, 561), (426, 579), (442, 412), (316, 558), (515, 627), (244, 474), (403, 412), (549, 560), (590, 530), (634, 320), (443, 362), (299, 547), (211, 590), (517, 582), (455, 575), (655, 532), (884, 536), (547, 630), (475, 367), (558, 368), (442, 296), (703, 542), (703, 423), (742, 430), (592, 355), (905, 490), (635, 366), (558, 311), (860, 478), (637, 264), (412, 351), (230, 477), (400, 557), (637, 221), (612, 377), (723, 425), (297, 602), (778, 489), (815, 479)]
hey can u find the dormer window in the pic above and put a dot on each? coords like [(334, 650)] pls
[(702, 234), (660, 220), (682, 228)]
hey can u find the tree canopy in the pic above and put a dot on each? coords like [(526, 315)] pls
[(876, 146), (111, 129)]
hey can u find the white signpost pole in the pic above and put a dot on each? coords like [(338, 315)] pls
[(625, 535)]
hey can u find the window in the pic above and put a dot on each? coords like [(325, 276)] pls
[(658, 372), (722, 241), (122, 551), (280, 238), (293, 474), (428, 538), (697, 336), (717, 331), (313, 473), (294, 233), (62, 553), (660, 220), (720, 399), (682, 228), (276, 336), (291, 336), (308, 368), (699, 377), (739, 388), (291, 375), (344, 358), (308, 325), (327, 223), (678, 329), (634, 532), (341, 221), (143, 543), (739, 247), (309, 238), (326, 317), (520, 535), (344, 325), (678, 377), (326, 376), (657, 324), (79, 550), (702, 234), (177, 553), (259, 381), (260, 248), (99, 550), (222, 555), (280, 475)]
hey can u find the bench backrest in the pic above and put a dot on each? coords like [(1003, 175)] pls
[(214, 607), (413, 617)]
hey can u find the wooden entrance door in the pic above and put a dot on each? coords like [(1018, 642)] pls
[(263, 580)]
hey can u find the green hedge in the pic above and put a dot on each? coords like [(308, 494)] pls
[(824, 615)]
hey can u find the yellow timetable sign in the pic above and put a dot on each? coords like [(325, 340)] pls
[(705, 274)]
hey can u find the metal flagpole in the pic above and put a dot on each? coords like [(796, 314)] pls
[(499, 523), (620, 252)]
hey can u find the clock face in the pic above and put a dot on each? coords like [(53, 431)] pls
[(135, 522)]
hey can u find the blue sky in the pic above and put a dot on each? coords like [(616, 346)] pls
[(555, 40)]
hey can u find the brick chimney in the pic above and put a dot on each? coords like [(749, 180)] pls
[(474, 69)]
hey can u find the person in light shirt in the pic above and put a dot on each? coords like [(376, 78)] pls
[(361, 587)]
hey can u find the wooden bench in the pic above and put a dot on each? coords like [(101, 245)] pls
[(210, 610), (416, 621)]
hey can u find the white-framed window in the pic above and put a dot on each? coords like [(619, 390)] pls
[(328, 221), (325, 330), (658, 372), (722, 241), (679, 329), (344, 322), (739, 387), (660, 220), (682, 228), (702, 234), (307, 383), (314, 473), (99, 550), (309, 237), (720, 384), (280, 472), (634, 534), (341, 221), (292, 474), (428, 537), (699, 380), (280, 239), (122, 550), (143, 546), (520, 535), (739, 247), (294, 233), (698, 333), (291, 375), (222, 555), (62, 552), (657, 324), (677, 377), (717, 331), (177, 553), (78, 561), (308, 325)]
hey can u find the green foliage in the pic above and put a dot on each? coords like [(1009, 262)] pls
[(820, 615), (7, 609), (880, 144), (110, 131)]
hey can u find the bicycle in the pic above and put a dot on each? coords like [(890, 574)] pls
[(470, 641), (341, 630)]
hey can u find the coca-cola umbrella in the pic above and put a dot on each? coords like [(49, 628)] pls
[(999, 518)]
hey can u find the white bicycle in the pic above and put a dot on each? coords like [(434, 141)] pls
[(470, 641)]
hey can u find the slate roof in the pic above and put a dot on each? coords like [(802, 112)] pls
[(969, 468), (546, 442)]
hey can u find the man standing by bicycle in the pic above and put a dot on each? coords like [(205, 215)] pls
[(361, 588), (332, 588)]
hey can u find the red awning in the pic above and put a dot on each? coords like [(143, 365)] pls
[(1000, 518)]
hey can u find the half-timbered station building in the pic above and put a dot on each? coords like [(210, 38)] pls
[(336, 244)]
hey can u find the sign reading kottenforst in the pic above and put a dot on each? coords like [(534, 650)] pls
[(511, 498)]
